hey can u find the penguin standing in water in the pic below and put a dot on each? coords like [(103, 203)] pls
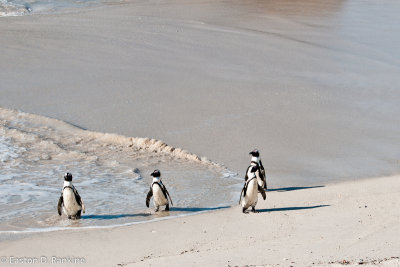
[(159, 191), (249, 194), (256, 161), (70, 201)]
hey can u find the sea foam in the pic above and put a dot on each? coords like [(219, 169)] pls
[(111, 172)]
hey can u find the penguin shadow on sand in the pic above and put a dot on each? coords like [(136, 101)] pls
[(294, 188), (292, 208)]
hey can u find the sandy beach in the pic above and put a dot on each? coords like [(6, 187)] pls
[(298, 226)]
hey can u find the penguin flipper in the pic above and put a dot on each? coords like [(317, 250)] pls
[(246, 177), (262, 191), (264, 179), (262, 175), (60, 202), (149, 195), (243, 193), (166, 191), (261, 166), (83, 207), (77, 196), (79, 200)]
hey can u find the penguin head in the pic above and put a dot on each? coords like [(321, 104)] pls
[(255, 153), (156, 173), (156, 176), (68, 177)]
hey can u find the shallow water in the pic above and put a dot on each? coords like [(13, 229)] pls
[(110, 172)]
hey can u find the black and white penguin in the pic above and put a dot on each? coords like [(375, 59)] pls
[(70, 201), (159, 192), (249, 194), (256, 161)]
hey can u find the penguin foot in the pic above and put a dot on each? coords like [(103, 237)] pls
[(157, 209), (70, 217), (244, 210), (167, 207), (253, 209)]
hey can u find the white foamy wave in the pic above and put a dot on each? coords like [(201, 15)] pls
[(8, 152), (111, 172), (12, 9), (78, 136), (24, 7)]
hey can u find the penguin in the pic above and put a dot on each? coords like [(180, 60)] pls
[(249, 194), (70, 201), (159, 191), (256, 160)]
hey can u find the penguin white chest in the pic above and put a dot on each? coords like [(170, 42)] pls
[(71, 207), (159, 198), (251, 198)]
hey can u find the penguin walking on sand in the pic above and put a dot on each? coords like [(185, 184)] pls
[(159, 192), (249, 194), (70, 201), (256, 161)]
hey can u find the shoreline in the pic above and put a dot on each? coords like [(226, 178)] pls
[(28, 232), (302, 227), (99, 227)]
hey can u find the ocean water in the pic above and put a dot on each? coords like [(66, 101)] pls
[(111, 173)]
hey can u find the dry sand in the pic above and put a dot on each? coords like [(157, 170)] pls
[(351, 221)]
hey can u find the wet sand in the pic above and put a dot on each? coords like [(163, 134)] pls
[(313, 85)]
